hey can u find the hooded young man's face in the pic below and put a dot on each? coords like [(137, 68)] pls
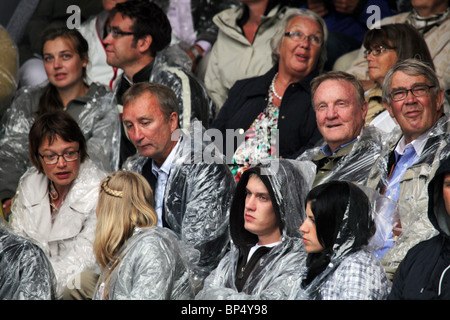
[(446, 192), (259, 215)]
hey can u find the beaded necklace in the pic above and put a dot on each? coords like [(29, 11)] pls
[(272, 88)]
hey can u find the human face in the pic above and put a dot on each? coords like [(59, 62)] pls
[(299, 58), (62, 173), (148, 128), (110, 4), (427, 8), (380, 64), (63, 65), (259, 215), (308, 228), (339, 115), (415, 115), (122, 52), (446, 192)]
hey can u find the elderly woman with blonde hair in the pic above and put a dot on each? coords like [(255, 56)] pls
[(138, 259)]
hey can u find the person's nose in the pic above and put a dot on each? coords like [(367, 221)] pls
[(61, 162), (250, 203), (303, 228)]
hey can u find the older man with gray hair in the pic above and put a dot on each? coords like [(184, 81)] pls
[(414, 98)]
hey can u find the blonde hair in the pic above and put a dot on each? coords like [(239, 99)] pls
[(125, 202)]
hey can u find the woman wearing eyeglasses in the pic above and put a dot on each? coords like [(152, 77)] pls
[(385, 47), (56, 199), (65, 56), (278, 100)]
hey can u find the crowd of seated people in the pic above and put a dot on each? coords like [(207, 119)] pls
[(210, 150)]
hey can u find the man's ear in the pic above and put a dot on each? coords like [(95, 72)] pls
[(173, 121), (144, 43), (389, 109), (365, 108)]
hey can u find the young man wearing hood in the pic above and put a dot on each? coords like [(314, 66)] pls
[(266, 252), (425, 272)]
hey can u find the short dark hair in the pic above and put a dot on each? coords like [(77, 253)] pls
[(403, 38), (149, 19), (52, 124)]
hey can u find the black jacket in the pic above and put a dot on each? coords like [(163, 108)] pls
[(297, 119), (425, 272)]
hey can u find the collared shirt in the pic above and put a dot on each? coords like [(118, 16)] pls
[(162, 175), (418, 144), (326, 150)]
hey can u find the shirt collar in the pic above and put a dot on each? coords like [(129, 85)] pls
[(167, 165), (326, 150), (418, 144)]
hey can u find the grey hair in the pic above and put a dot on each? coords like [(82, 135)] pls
[(411, 67), (290, 14), (339, 76), (168, 102)]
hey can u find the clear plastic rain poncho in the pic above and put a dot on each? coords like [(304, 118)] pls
[(171, 68), (96, 113), (356, 165), (276, 275), (151, 265), (412, 205), (197, 197), (9, 66), (352, 272), (68, 240), (25, 272)]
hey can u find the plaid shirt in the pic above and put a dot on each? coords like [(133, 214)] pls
[(359, 276)]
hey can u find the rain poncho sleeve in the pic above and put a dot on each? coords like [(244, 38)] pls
[(68, 241), (152, 265), (197, 198), (276, 275), (25, 272), (171, 68), (412, 205), (96, 114), (356, 165), (9, 65)]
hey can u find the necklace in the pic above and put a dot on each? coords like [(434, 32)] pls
[(272, 87)]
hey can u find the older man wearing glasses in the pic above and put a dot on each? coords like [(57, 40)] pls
[(414, 98)]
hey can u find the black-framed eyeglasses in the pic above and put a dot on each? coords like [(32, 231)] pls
[(116, 32), (300, 36), (54, 158), (376, 52), (417, 91)]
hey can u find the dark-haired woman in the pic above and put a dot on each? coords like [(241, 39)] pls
[(336, 231), (56, 199), (65, 54)]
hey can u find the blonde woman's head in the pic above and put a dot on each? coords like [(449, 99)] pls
[(125, 202)]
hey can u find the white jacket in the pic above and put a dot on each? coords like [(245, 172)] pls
[(233, 57), (97, 69), (68, 242)]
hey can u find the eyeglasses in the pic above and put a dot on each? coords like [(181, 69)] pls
[(417, 91), (376, 52), (54, 158), (116, 32), (300, 36)]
